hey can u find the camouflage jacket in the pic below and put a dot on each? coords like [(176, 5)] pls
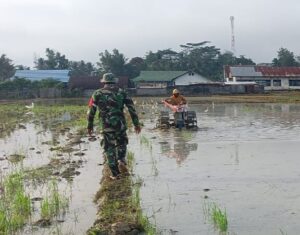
[(110, 101)]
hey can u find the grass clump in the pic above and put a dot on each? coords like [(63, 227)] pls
[(15, 204), (54, 204), (219, 218), (214, 214)]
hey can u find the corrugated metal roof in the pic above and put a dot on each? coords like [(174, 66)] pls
[(158, 76), (262, 71), (37, 75), (279, 71), (244, 71)]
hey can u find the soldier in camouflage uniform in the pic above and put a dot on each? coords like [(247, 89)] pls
[(110, 101)]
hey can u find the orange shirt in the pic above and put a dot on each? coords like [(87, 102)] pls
[(176, 100)]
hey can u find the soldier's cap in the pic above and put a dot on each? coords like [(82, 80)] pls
[(175, 91), (109, 78)]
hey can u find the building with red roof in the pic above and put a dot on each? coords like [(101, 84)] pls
[(273, 78)]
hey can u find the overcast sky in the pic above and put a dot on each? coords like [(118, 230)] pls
[(81, 29)]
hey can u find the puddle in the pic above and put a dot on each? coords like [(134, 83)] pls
[(244, 158)]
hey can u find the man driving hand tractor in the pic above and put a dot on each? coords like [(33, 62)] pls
[(177, 103), (176, 98)]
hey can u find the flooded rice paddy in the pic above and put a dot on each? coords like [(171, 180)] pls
[(244, 158), (58, 165)]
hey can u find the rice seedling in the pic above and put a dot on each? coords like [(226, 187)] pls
[(143, 220), (145, 141), (219, 218), (45, 209), (15, 204), (214, 214), (54, 204), (130, 160), (136, 203)]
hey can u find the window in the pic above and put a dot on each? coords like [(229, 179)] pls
[(276, 82), (294, 82), (263, 82)]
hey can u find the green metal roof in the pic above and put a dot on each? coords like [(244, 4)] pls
[(158, 76)]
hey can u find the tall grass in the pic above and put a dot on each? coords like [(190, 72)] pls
[(15, 204), (53, 204)]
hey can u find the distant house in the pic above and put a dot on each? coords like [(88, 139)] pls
[(163, 79), (37, 75), (273, 78)]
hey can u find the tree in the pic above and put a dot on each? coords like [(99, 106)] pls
[(53, 61), (81, 68), (134, 67), (112, 62), (7, 69), (227, 58), (242, 60), (202, 58), (163, 60), (22, 67), (285, 58)]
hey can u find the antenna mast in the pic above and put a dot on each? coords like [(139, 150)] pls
[(232, 34)]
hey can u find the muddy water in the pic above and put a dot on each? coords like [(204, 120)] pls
[(34, 142), (244, 158)]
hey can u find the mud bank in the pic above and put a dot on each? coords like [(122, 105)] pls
[(119, 211)]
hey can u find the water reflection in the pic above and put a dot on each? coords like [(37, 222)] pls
[(179, 146)]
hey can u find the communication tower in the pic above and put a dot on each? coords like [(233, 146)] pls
[(232, 34)]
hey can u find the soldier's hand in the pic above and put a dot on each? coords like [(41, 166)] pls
[(90, 131), (137, 129)]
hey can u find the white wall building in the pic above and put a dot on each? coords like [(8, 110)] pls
[(163, 79), (273, 78)]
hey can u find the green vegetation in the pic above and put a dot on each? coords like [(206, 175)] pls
[(58, 117), (201, 57), (119, 202), (15, 204), (145, 141), (20, 84), (53, 204), (142, 220), (214, 214), (62, 117), (17, 209), (7, 68), (219, 218), (11, 115)]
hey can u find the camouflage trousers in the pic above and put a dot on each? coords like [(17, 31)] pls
[(115, 147)]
